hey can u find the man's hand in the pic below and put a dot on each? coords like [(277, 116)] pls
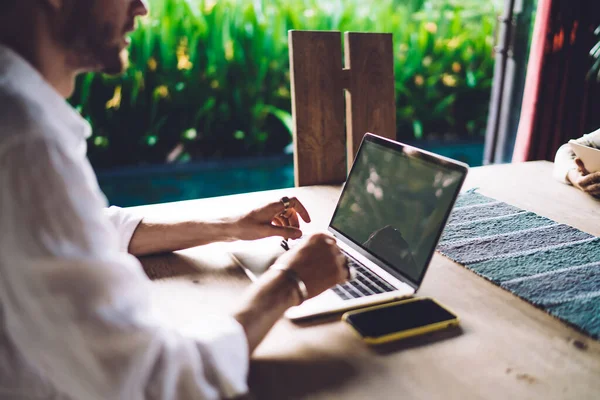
[(318, 262), (272, 220), (583, 180), (156, 236)]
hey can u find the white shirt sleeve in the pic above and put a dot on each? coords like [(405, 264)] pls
[(125, 223), (565, 157), (78, 309)]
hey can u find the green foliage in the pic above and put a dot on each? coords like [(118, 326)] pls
[(210, 78)]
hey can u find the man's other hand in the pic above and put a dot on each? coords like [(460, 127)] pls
[(318, 262), (582, 179), (272, 220)]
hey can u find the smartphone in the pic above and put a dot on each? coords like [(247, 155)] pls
[(589, 156), (398, 320)]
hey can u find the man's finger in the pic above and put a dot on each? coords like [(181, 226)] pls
[(594, 188), (299, 207), (581, 166), (277, 221), (344, 268), (286, 232), (294, 220), (331, 240), (277, 208), (590, 179)]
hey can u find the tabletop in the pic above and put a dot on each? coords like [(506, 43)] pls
[(505, 347)]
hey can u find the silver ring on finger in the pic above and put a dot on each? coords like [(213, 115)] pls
[(286, 202), (286, 206)]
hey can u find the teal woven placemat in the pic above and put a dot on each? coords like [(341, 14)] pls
[(553, 266)]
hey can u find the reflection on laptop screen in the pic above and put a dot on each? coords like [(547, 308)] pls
[(394, 204)]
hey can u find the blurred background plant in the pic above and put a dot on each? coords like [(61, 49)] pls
[(595, 53), (209, 79)]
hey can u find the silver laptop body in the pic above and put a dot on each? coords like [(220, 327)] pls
[(388, 220)]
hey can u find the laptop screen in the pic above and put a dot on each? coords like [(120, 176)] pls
[(395, 204)]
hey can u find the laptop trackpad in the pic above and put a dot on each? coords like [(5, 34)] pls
[(256, 256)]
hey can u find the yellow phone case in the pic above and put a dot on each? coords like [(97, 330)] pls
[(401, 334)]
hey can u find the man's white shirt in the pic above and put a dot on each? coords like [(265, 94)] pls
[(76, 320)]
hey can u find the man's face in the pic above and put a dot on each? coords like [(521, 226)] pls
[(94, 32)]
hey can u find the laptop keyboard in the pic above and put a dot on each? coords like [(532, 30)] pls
[(366, 283)]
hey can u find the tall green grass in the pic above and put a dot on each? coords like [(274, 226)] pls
[(210, 78)]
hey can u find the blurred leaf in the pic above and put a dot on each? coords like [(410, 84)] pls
[(417, 129), (86, 85), (239, 135), (206, 107), (151, 140), (595, 53), (471, 79), (443, 106), (284, 116), (101, 141), (190, 134)]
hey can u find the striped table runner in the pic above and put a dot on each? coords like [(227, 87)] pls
[(553, 266)]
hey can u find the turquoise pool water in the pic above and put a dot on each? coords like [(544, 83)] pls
[(167, 183), (161, 184)]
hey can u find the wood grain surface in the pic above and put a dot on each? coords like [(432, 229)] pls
[(317, 107), (327, 136), (371, 94)]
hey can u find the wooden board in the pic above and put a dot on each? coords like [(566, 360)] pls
[(371, 94), (324, 148), (317, 107)]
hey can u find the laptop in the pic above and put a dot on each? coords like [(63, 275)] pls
[(388, 220)]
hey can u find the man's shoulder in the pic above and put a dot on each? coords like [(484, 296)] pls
[(20, 117)]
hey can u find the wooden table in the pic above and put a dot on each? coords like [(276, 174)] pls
[(506, 348)]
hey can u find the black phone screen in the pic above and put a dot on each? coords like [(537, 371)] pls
[(399, 317)]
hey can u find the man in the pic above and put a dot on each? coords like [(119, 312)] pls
[(571, 170), (75, 319)]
